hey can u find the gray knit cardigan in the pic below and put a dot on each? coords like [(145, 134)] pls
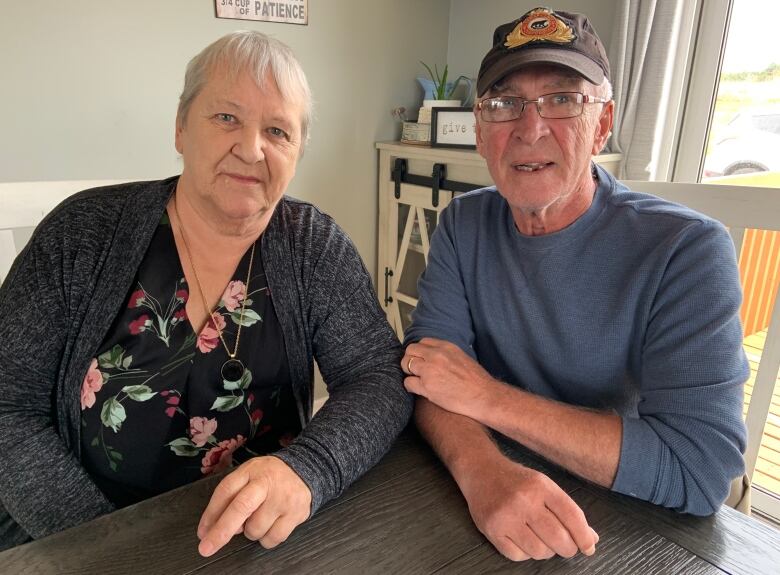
[(68, 285)]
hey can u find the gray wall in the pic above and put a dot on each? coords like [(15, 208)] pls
[(89, 90), (472, 24)]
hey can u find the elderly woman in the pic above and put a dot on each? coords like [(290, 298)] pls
[(154, 333)]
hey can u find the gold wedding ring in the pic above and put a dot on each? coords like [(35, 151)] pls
[(409, 365)]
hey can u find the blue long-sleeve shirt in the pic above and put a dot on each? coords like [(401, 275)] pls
[(632, 308)]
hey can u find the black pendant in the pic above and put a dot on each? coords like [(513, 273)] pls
[(232, 370)]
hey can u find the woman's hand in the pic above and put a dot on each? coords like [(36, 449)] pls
[(264, 498)]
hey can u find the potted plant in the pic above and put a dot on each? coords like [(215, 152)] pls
[(438, 91)]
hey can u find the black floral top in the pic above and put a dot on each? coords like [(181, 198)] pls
[(156, 412)]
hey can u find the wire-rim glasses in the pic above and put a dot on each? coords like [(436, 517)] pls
[(557, 105)]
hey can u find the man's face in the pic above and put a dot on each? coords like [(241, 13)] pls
[(535, 162), (240, 144)]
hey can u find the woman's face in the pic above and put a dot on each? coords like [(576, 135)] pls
[(240, 144)]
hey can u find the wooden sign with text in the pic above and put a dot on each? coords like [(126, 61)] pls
[(286, 11)]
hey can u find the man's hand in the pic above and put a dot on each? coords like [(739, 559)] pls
[(264, 498), (523, 513), (442, 373)]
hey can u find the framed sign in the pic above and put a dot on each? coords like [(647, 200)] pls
[(287, 11), (453, 128)]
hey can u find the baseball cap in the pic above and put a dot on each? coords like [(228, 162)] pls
[(544, 36)]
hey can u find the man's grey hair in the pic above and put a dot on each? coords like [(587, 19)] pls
[(253, 52), (604, 90)]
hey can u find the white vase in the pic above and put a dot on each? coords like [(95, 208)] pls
[(442, 104)]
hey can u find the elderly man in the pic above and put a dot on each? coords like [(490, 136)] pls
[(596, 326)]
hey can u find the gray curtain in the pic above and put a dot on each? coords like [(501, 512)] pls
[(644, 41)]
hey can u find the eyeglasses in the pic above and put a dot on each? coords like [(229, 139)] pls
[(552, 106)]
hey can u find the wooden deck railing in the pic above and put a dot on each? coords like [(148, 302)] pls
[(759, 272)]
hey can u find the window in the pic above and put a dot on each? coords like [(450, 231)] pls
[(731, 135)]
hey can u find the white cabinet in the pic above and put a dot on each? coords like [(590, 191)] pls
[(415, 184)]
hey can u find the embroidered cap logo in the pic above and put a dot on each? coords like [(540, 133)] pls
[(540, 25)]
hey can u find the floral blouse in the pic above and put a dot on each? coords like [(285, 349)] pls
[(156, 412)]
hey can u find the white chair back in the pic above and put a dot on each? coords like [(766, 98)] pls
[(24, 204)]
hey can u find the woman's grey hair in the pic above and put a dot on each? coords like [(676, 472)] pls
[(258, 54)]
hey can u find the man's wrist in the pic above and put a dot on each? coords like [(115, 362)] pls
[(493, 394), (473, 472), (471, 463)]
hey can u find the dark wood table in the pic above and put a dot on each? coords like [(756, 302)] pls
[(405, 516)]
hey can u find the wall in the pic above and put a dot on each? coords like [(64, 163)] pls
[(89, 90), (472, 24)]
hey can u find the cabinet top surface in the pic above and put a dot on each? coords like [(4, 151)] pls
[(414, 151)]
